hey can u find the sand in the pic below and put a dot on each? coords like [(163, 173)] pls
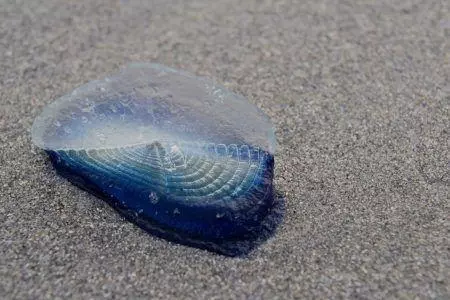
[(358, 92)]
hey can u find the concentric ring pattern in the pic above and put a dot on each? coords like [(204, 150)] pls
[(177, 154)]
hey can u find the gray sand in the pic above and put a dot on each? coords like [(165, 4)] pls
[(359, 93)]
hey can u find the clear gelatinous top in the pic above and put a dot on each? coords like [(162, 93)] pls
[(146, 103)]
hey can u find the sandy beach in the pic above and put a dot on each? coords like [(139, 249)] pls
[(358, 92)]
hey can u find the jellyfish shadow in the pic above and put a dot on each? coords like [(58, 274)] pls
[(240, 246)]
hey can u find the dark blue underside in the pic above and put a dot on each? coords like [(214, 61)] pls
[(232, 227)]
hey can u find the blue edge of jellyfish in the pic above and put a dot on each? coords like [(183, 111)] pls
[(241, 227)]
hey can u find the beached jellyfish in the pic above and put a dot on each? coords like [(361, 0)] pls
[(179, 155)]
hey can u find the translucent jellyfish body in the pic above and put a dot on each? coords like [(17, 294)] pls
[(179, 155)]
